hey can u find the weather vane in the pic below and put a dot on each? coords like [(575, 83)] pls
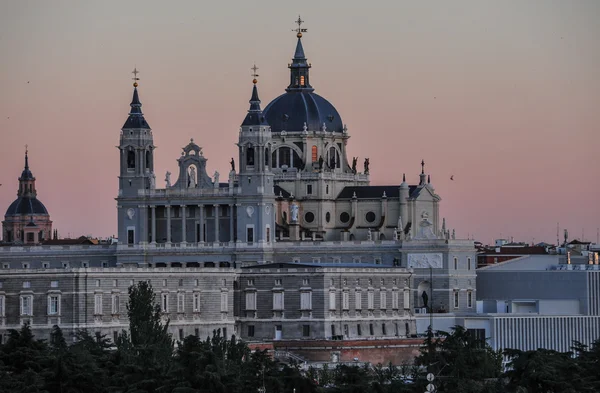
[(299, 30), (135, 78), (254, 68)]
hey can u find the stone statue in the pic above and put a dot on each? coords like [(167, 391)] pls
[(400, 226), (395, 234), (294, 212), (232, 162), (366, 166), (168, 179), (425, 299), (324, 127), (152, 181), (354, 160), (216, 177), (192, 177), (453, 235), (369, 235), (320, 163), (304, 128)]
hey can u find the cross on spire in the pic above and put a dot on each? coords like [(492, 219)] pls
[(422, 166), (135, 78), (299, 30), (254, 68)]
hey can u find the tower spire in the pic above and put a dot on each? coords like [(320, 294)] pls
[(136, 117), (26, 158), (255, 115), (299, 67)]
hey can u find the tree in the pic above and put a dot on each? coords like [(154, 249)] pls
[(145, 353), (460, 361)]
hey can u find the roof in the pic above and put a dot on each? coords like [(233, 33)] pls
[(79, 240), (287, 265), (136, 117), (372, 192), (26, 206), (281, 192), (255, 116), (293, 109), (524, 263)]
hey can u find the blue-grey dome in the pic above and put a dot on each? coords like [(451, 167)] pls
[(26, 206), (292, 109)]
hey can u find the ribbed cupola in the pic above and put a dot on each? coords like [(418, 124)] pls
[(299, 79), (136, 117)]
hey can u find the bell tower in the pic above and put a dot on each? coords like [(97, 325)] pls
[(255, 213), (136, 175)]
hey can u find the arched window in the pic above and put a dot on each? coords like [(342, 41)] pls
[(250, 156), (148, 156), (301, 80), (315, 156), (131, 159), (267, 156)]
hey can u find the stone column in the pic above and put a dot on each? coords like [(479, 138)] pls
[(153, 208), (183, 229), (168, 207), (201, 219), (216, 223), (231, 237)]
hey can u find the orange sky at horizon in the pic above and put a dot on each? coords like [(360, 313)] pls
[(502, 95)]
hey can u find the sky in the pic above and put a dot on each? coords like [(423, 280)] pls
[(502, 95)]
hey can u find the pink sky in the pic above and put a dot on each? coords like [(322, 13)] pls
[(505, 96)]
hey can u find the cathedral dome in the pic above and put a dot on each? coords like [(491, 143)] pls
[(24, 206), (299, 106), (291, 110)]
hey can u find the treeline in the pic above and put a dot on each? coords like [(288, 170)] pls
[(146, 359)]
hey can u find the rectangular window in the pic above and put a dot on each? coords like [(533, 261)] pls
[(27, 284), (470, 299), (164, 306), (2, 306), (469, 263), (301, 80), (278, 301), (26, 305), (115, 283), (306, 300), (180, 302), (30, 236), (358, 300), (53, 305), (370, 300), (278, 282), (196, 332), (249, 235), (309, 189), (383, 300), (406, 299), (332, 300), (196, 302), (180, 334), (358, 330), (251, 301), (116, 305), (455, 263), (164, 283), (305, 330), (394, 299), (456, 299), (383, 329), (345, 300), (332, 330), (371, 329), (53, 284), (250, 282), (115, 336), (268, 234), (98, 304), (130, 236), (224, 302), (305, 281), (250, 330), (225, 333)]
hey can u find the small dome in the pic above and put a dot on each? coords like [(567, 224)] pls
[(24, 206), (292, 109)]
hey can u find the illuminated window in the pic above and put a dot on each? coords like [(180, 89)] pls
[(302, 80), (314, 154)]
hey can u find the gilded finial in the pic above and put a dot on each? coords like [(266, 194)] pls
[(299, 30), (135, 78), (254, 68)]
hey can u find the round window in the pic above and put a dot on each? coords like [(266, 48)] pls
[(370, 217), (327, 216), (344, 217), (309, 217)]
